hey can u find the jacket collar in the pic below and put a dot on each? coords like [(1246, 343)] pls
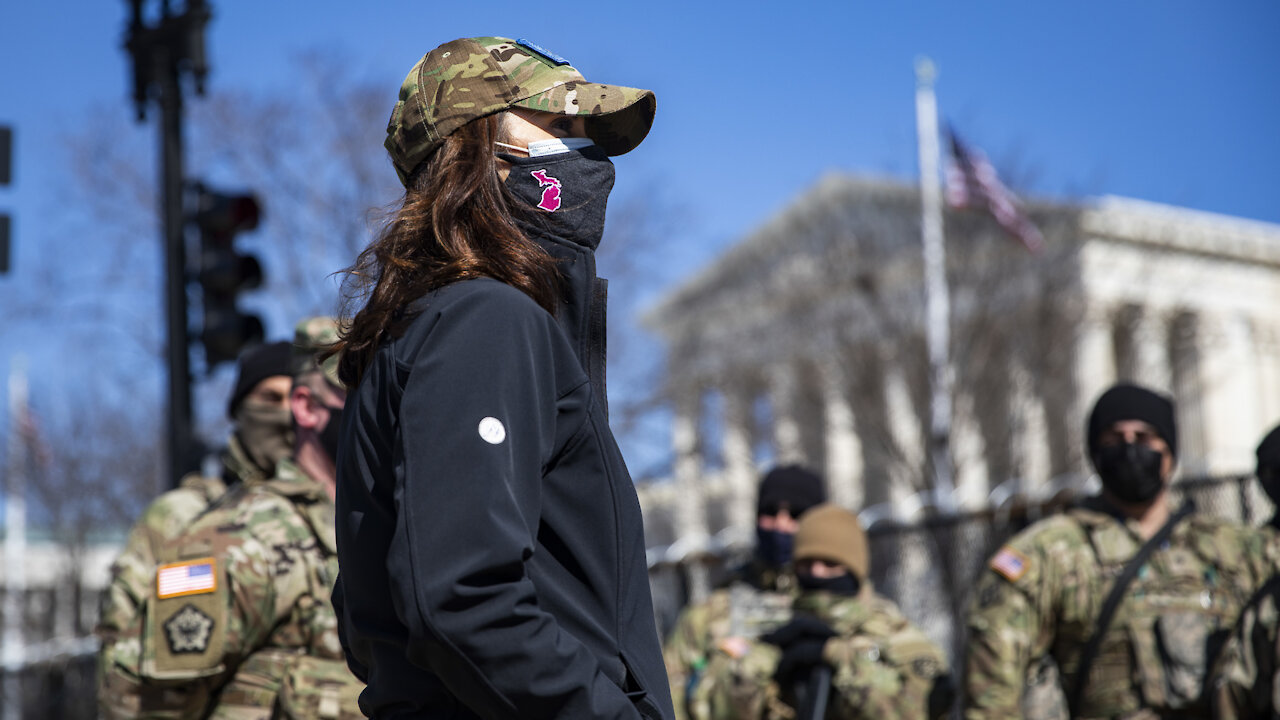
[(580, 311)]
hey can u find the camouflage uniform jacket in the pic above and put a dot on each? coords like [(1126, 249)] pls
[(1043, 592), (133, 571), (1246, 679), (883, 666), (753, 604), (248, 624)]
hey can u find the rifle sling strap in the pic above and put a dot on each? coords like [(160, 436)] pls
[(1114, 598)]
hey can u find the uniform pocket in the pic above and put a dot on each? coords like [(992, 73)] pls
[(1185, 643), (319, 689)]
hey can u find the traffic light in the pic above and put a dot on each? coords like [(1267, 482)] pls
[(224, 273), (6, 176)]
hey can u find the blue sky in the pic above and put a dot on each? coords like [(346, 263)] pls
[(1172, 101), (1167, 101)]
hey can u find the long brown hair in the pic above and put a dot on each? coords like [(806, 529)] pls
[(455, 222)]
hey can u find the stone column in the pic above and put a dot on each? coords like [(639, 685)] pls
[(689, 512), (810, 412), (1030, 451), (65, 607), (1188, 388), (787, 443), (739, 465), (906, 432), (969, 453), (844, 450), (1150, 344), (1095, 369), (1229, 393), (1267, 359)]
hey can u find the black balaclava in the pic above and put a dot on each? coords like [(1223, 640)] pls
[(1131, 472), (791, 487), (846, 584), (568, 189), (1269, 466), (774, 547)]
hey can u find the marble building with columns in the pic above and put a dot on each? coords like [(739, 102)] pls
[(804, 343)]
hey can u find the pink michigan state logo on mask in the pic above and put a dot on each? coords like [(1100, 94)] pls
[(550, 190)]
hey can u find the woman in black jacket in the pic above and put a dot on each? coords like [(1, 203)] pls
[(489, 536)]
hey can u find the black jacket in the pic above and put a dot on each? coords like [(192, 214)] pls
[(489, 536)]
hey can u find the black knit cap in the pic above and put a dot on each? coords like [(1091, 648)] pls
[(792, 486), (1269, 450), (257, 364), (1125, 401)]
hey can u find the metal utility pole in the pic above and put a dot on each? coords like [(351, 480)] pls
[(15, 540), (161, 54), (937, 302)]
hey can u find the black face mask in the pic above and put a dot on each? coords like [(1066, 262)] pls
[(1130, 472), (774, 547), (568, 191), (329, 435), (846, 584)]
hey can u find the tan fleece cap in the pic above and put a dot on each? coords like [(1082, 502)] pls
[(831, 533)]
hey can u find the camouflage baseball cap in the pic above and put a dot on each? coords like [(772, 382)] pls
[(310, 338), (473, 77)]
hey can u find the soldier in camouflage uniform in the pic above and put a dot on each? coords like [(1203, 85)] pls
[(1268, 470), (882, 666), (1246, 678), (758, 597), (259, 408), (238, 623), (1044, 590)]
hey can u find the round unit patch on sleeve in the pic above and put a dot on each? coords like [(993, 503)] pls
[(188, 630), (492, 431)]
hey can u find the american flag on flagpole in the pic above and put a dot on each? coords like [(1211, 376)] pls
[(972, 183)]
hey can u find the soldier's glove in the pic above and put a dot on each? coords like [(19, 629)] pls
[(801, 642)]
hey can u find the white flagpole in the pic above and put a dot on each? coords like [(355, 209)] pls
[(936, 295), (15, 541)]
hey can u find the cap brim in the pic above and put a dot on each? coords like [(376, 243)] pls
[(618, 118)]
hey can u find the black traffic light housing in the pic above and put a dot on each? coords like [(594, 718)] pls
[(223, 273)]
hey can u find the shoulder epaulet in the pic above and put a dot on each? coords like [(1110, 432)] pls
[(1087, 516), (207, 485), (1228, 544)]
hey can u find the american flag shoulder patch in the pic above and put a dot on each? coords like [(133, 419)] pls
[(734, 647), (189, 577), (1010, 563)]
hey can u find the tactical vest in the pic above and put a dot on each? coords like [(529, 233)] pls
[(1174, 617), (277, 610)]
